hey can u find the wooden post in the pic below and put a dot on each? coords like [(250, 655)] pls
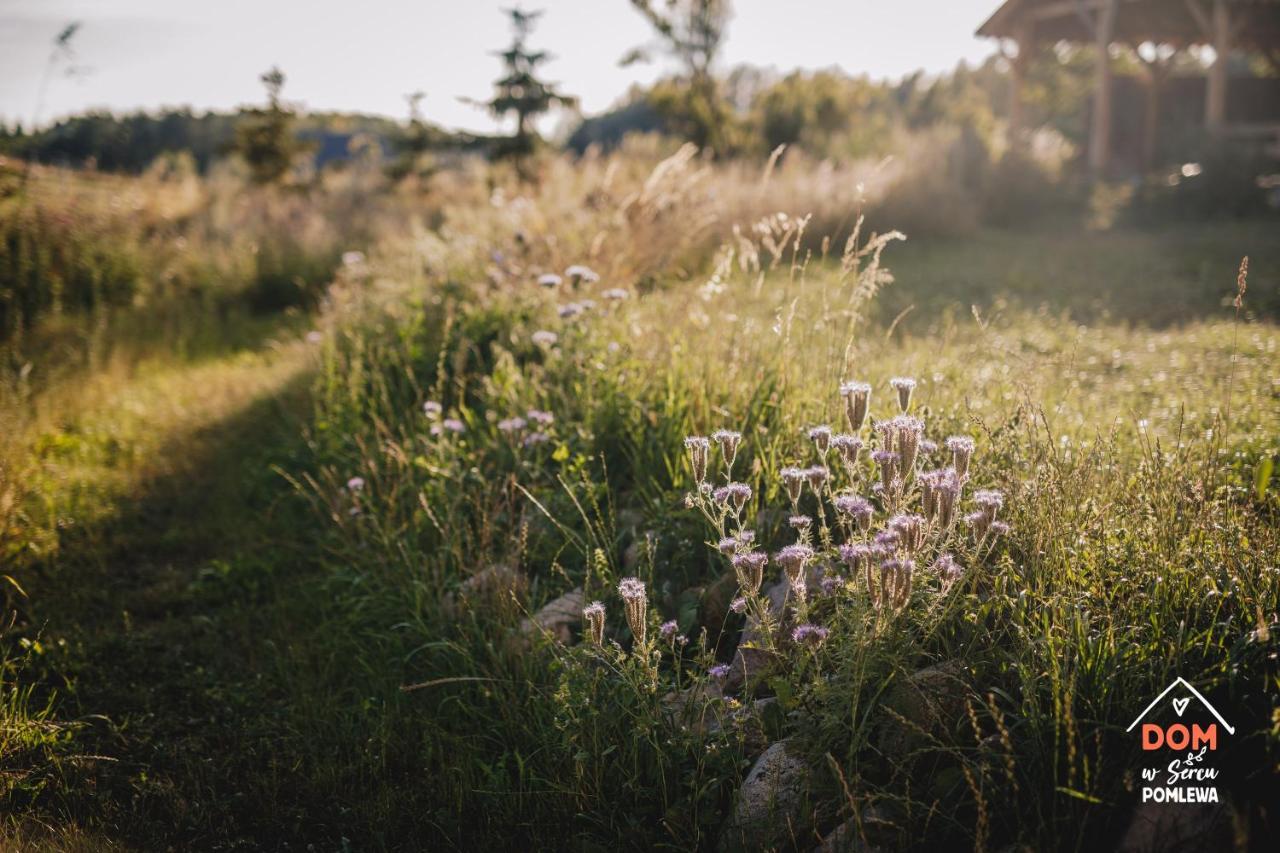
[(1017, 76), (1100, 132), (1156, 71), (1215, 101)]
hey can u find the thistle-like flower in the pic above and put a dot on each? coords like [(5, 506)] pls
[(540, 417), (533, 439), (749, 568), (821, 438), (895, 582), (594, 614), (636, 602), (989, 501), (570, 310), (738, 605), (793, 481), (448, 425), (615, 294), (793, 559), (980, 522), (807, 634), (512, 426), (729, 442), (816, 475), (432, 409), (961, 447), (699, 448), (906, 443), (910, 530), (736, 494), (861, 556), (858, 507), (745, 537), (728, 546), (857, 401), (579, 274), (887, 461), (947, 492), (849, 446), (543, 338), (667, 629), (549, 280), (355, 484), (904, 387), (946, 568), (800, 523), (719, 672)]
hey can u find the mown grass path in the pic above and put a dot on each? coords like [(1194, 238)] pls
[(163, 606)]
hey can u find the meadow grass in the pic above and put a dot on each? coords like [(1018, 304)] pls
[(277, 601)]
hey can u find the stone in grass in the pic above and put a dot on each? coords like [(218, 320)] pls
[(498, 589), (923, 708), (698, 708), (557, 617), (1181, 828), (750, 666), (769, 809), (846, 838)]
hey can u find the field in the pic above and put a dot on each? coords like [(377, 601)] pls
[(278, 567)]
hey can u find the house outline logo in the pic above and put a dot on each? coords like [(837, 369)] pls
[(1196, 693)]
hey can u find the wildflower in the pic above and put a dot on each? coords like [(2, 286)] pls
[(540, 417), (355, 484), (821, 438), (698, 448), (729, 442), (946, 568), (999, 528), (615, 294), (830, 583), (910, 530), (887, 540), (594, 614), (989, 501), (800, 522), (536, 438), (512, 425), (887, 432), (587, 305), (719, 672), (745, 537), (636, 600), (888, 462), (907, 434), (668, 629), (579, 274), (857, 400), (856, 554), (858, 507), (738, 605), (793, 559), (353, 259), (927, 446), (895, 582), (728, 546), (980, 522), (543, 338), (749, 567), (432, 409), (816, 475), (314, 337), (453, 425), (793, 481), (961, 447), (849, 446), (738, 493), (946, 492), (549, 280), (569, 311), (904, 387), (812, 635)]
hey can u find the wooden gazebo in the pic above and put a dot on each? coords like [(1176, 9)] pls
[(1224, 25)]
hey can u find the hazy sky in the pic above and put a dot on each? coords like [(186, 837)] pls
[(363, 55)]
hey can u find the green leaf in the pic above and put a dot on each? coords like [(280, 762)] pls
[(1262, 476)]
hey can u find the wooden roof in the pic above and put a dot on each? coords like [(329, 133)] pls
[(1167, 21)]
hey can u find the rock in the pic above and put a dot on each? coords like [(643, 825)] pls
[(750, 665), (499, 588), (846, 838), (557, 617), (927, 704), (713, 605), (1180, 828), (769, 806), (694, 707)]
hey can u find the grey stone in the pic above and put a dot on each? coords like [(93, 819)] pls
[(557, 617), (769, 807)]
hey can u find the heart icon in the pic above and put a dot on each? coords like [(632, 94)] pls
[(1180, 705)]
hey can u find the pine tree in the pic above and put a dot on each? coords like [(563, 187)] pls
[(519, 90), (264, 137)]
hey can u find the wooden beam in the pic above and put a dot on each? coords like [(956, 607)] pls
[(1215, 101), (1100, 131)]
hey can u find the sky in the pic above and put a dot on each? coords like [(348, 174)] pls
[(365, 55)]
